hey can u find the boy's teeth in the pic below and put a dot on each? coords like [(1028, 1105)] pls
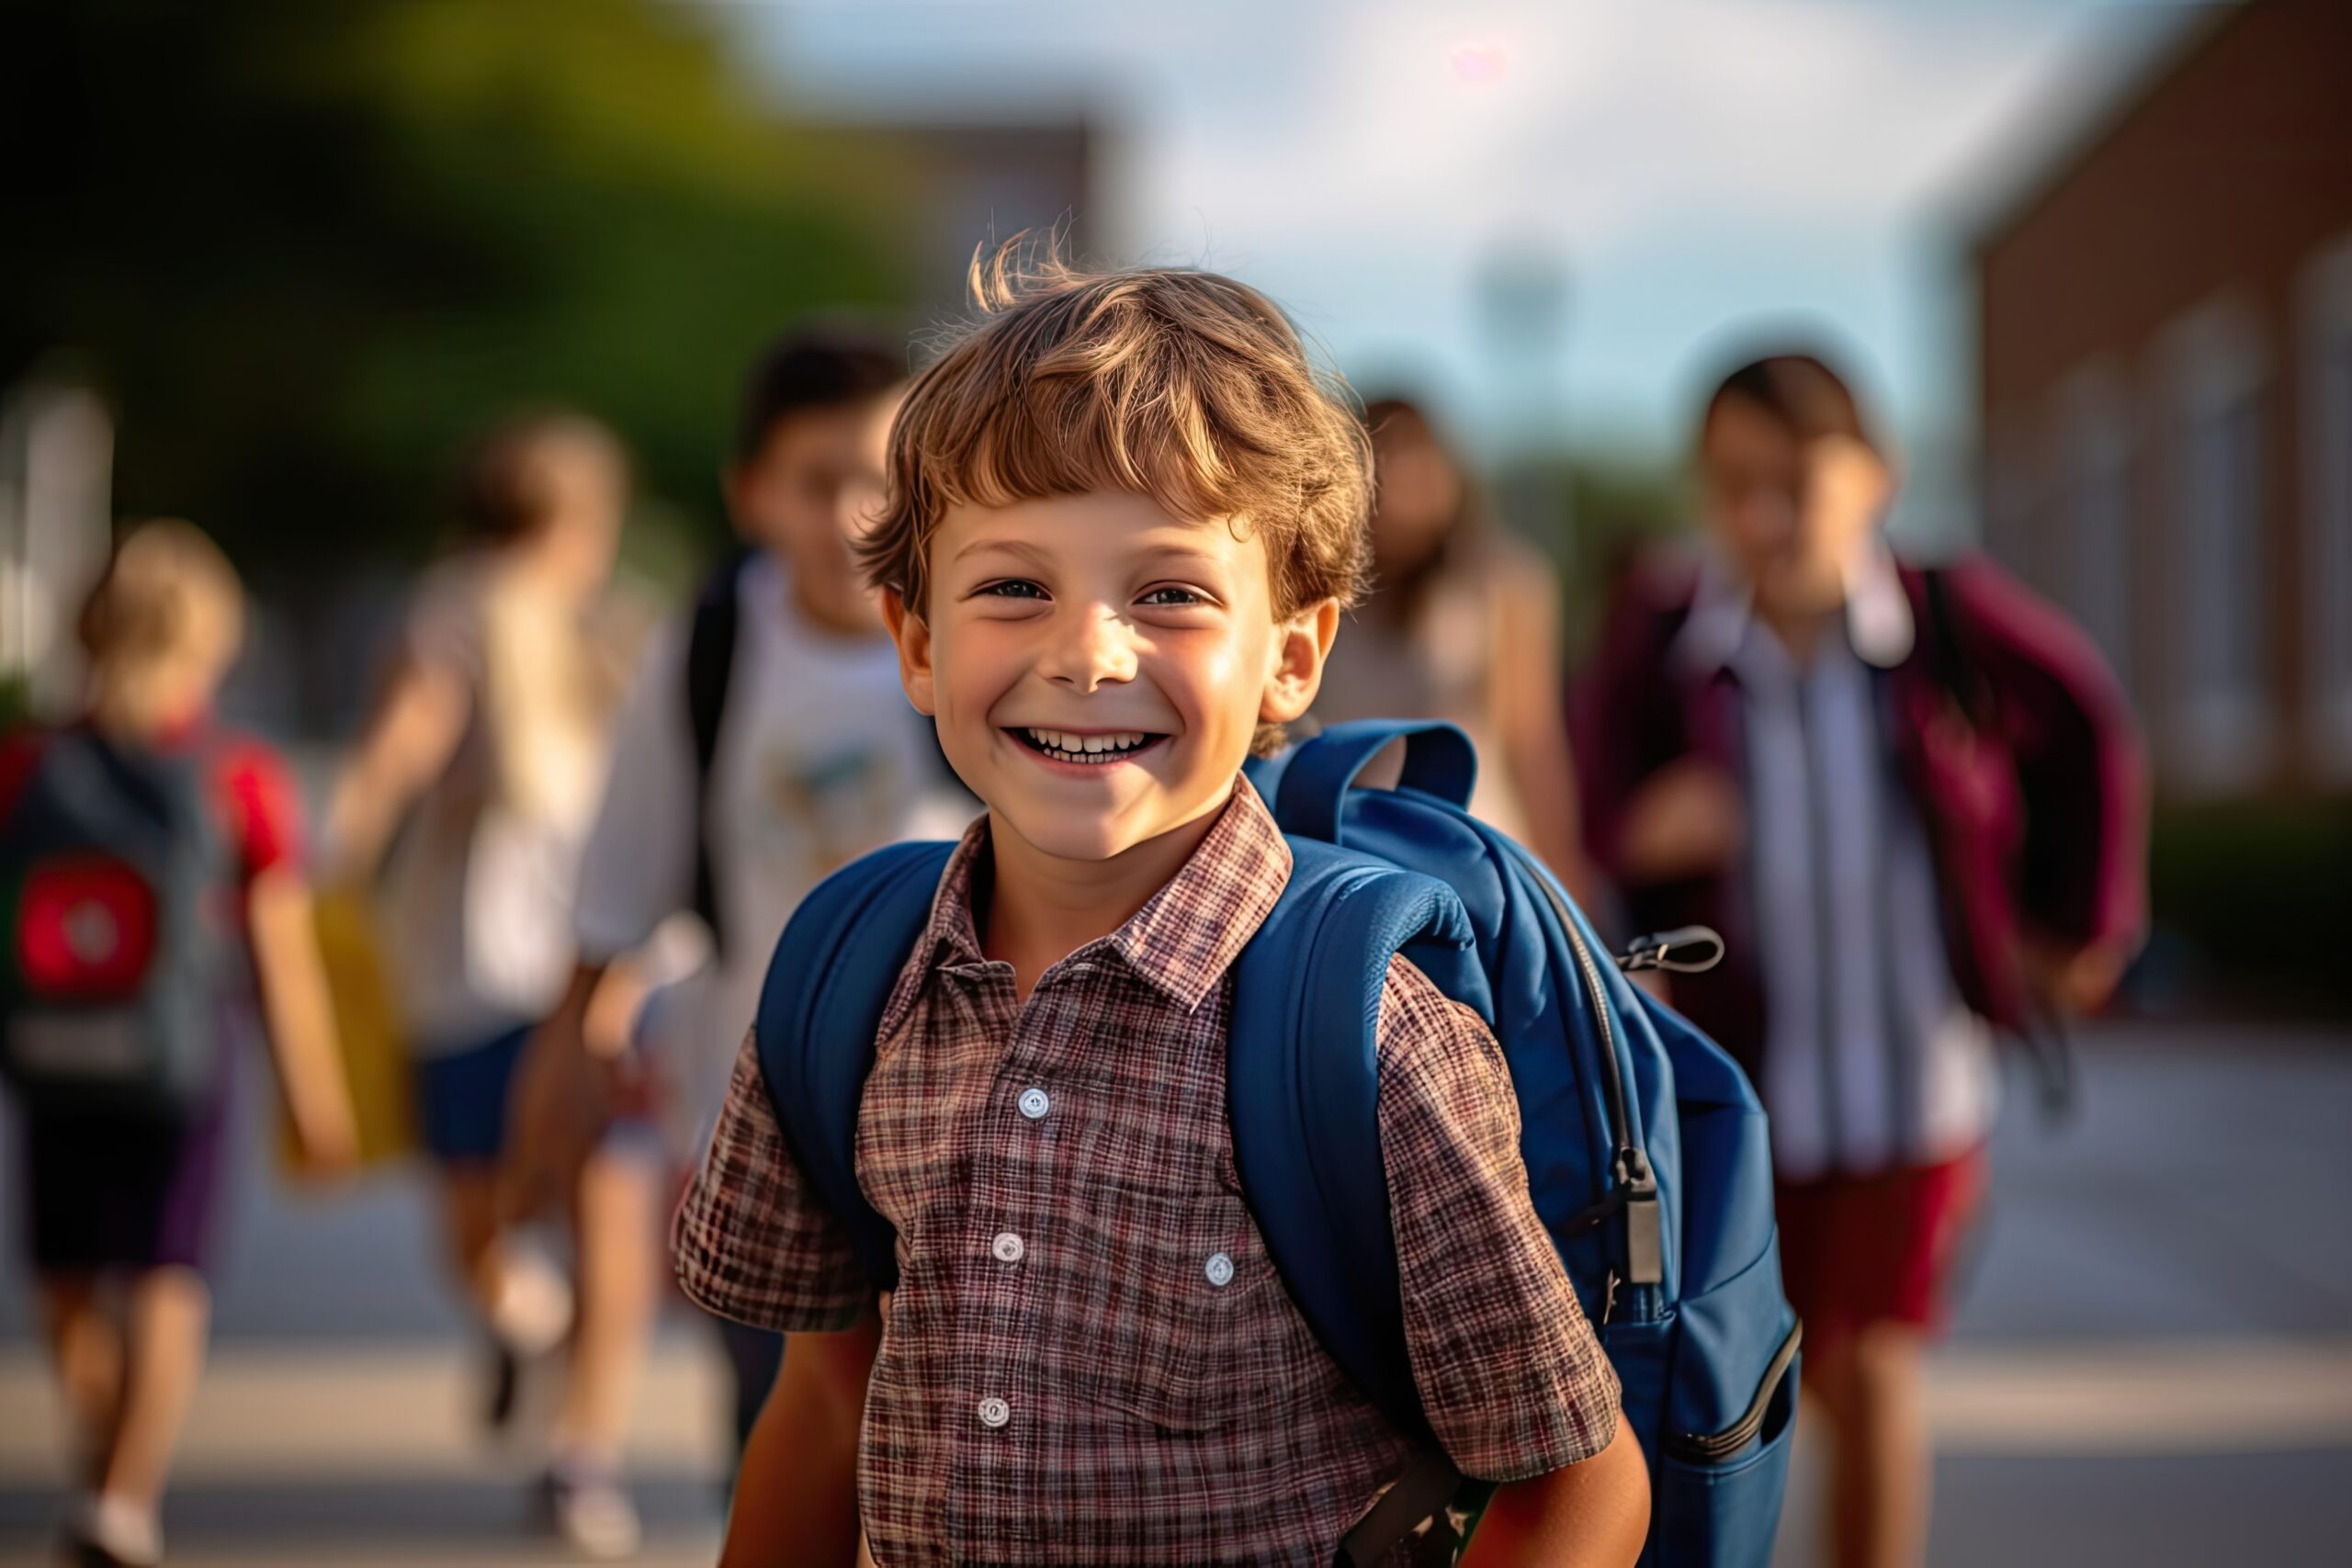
[(1071, 745)]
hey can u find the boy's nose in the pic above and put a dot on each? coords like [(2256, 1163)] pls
[(1089, 646)]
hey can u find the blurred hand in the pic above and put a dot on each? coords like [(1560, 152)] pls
[(327, 1141), (1687, 820), (1846, 489), (2077, 981)]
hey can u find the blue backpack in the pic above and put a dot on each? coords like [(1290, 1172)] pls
[(1645, 1145)]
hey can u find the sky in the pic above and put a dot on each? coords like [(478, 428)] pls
[(1690, 176)]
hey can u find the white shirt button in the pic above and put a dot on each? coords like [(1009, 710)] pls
[(1220, 1270), (1008, 1247), (1033, 1103), (994, 1413)]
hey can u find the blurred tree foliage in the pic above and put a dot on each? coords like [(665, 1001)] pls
[(1594, 518), (306, 246), (2252, 901)]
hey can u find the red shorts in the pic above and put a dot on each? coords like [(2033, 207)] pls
[(1858, 1250)]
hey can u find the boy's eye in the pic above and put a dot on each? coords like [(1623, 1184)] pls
[(1169, 597), (1012, 588)]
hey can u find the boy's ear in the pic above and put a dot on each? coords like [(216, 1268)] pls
[(913, 637), (1301, 645)]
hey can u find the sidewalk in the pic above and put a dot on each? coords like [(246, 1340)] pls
[(2153, 1364)]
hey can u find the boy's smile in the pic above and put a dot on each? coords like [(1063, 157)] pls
[(1086, 749), (1099, 668)]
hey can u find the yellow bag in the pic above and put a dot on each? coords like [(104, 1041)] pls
[(367, 1026)]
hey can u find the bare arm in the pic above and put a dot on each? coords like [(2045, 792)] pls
[(1532, 719), (298, 1018), (407, 746), (797, 1498), (1594, 1514)]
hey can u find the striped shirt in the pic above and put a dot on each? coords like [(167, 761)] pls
[(1872, 1062)]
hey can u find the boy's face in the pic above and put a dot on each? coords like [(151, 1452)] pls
[(1098, 668), (810, 490)]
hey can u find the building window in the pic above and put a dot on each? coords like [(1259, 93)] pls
[(2091, 488), (2219, 719), (2327, 491)]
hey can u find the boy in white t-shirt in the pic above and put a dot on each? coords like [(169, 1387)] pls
[(766, 743)]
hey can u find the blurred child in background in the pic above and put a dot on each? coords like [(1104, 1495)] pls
[(1464, 624), (1911, 802), (765, 745), (486, 756), (148, 848)]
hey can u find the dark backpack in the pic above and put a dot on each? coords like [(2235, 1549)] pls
[(711, 637), (1645, 1145), (116, 876)]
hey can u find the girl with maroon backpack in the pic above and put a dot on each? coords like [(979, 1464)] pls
[(146, 855), (1911, 800)]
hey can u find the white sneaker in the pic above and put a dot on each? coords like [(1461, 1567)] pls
[(107, 1532), (592, 1511)]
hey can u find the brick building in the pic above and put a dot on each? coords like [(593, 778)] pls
[(2166, 373)]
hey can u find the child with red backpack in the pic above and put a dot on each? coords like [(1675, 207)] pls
[(149, 856)]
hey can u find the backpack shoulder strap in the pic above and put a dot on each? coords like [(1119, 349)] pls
[(1947, 652), (711, 669), (819, 1009), (1312, 780), (1302, 1092)]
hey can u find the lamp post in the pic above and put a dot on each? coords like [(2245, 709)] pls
[(1521, 289)]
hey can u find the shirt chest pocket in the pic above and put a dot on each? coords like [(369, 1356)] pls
[(1194, 1320)]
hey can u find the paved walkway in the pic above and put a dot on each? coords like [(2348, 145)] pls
[(2154, 1365)]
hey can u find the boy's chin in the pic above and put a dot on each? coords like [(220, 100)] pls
[(1074, 835)]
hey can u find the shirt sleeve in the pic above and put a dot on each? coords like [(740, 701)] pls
[(263, 808), (1509, 1371), (638, 864), (752, 1241)]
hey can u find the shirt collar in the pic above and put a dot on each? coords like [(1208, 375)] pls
[(1186, 935), (1878, 614)]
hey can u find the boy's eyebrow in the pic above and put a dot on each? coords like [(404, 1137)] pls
[(1010, 547), (1152, 553), (1179, 552)]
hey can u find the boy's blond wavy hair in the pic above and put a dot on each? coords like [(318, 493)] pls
[(163, 620), (1180, 385)]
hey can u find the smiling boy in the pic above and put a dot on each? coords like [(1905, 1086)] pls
[(1124, 517)]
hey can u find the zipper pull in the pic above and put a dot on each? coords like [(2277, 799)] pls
[(1608, 1297), (1686, 950), (1644, 1226)]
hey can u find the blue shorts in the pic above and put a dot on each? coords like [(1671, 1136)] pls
[(461, 1099)]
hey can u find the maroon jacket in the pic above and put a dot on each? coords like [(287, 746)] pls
[(2013, 737)]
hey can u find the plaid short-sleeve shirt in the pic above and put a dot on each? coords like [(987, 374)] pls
[(1089, 1357)]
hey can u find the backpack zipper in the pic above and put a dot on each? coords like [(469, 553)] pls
[(1713, 1448), (1637, 1184)]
